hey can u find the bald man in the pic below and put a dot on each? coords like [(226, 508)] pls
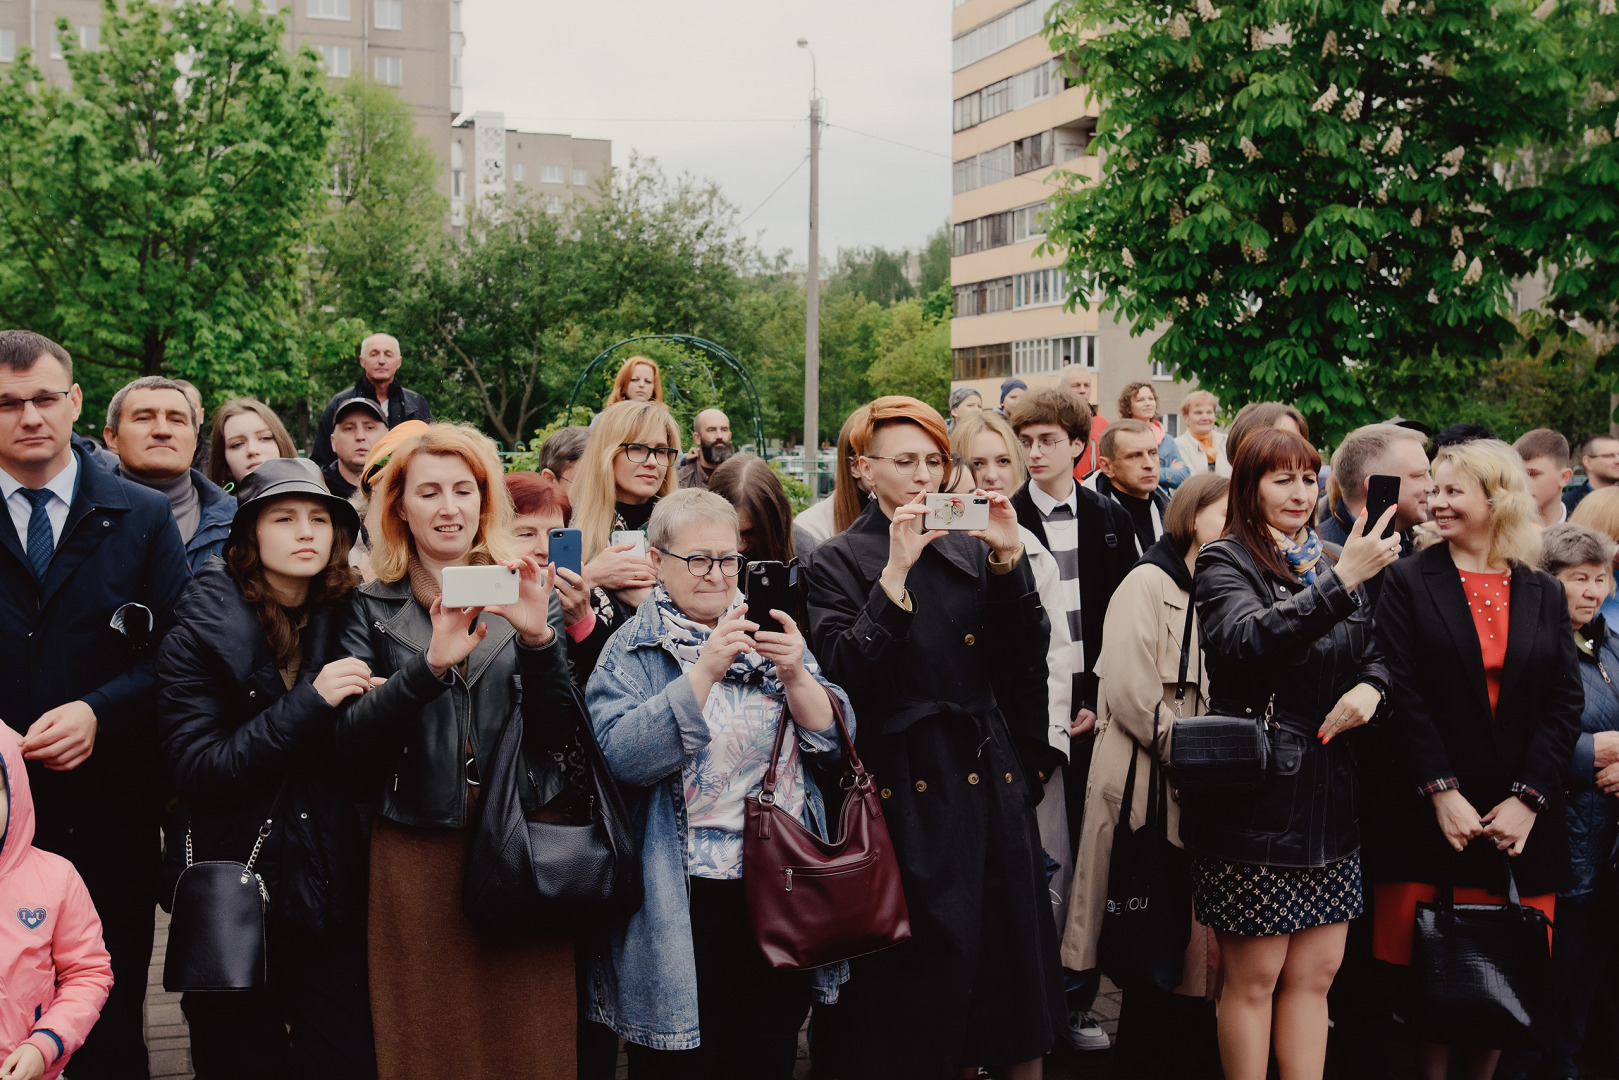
[(379, 381), (711, 439)]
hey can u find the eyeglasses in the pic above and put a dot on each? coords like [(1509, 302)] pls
[(1046, 443), (639, 453), (905, 464), (44, 402), (700, 565)]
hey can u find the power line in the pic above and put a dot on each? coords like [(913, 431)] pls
[(654, 119), (773, 191), (896, 142)]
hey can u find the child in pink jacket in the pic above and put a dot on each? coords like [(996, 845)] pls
[(54, 970)]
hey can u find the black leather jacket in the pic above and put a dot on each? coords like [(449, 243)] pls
[(1307, 645), (413, 734), (232, 734)]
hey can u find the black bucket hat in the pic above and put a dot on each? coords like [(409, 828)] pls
[(281, 477)]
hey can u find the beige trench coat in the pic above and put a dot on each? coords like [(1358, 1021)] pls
[(1138, 668)]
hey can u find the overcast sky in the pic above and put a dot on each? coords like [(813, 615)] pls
[(623, 69)]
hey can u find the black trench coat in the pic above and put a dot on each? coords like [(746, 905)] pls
[(945, 686)]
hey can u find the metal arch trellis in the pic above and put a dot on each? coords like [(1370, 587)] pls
[(717, 352)]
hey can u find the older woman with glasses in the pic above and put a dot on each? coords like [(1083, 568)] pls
[(685, 702), (941, 640)]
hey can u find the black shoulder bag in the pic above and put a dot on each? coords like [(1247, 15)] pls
[(216, 931), (1217, 754), (1148, 918), (575, 862), (1483, 972)]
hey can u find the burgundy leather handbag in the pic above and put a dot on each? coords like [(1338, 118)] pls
[(815, 902)]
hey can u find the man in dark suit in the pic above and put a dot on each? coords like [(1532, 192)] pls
[(90, 568), (1092, 540)]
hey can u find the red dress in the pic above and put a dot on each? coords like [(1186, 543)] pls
[(1394, 906)]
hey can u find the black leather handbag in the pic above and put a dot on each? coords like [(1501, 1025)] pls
[(572, 863), (1217, 754), (216, 929), (1147, 920), (1483, 972)]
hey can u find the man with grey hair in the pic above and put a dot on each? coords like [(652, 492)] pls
[(153, 429), (1080, 381), (379, 369), (1373, 450)]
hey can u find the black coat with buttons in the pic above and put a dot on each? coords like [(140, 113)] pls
[(1306, 645), (232, 735), (947, 687)]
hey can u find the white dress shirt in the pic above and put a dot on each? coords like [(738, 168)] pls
[(61, 485)]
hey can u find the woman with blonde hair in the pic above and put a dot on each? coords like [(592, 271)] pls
[(246, 434), (638, 380), (628, 464), (1600, 511), (442, 687), (1487, 700)]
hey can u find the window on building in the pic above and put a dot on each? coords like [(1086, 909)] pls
[(390, 70), (1023, 21), (389, 14), (1041, 288), (998, 98), (553, 204), (458, 183), (56, 45), (89, 38), (1028, 222), (983, 297), (1074, 349), (1160, 370), (327, 9), (982, 234), (550, 174), (335, 59), (1172, 423), (581, 177), (519, 172), (1034, 152), (8, 46), (981, 362), (1047, 356)]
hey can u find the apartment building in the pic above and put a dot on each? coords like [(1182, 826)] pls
[(1017, 122), (487, 156), (414, 46)]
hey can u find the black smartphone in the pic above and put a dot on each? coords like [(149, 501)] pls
[(1382, 492), (770, 585)]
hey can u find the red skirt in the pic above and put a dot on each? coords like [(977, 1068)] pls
[(1394, 913)]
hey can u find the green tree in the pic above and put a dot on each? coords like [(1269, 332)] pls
[(935, 262), (1305, 195), (875, 273), (152, 211), (913, 356)]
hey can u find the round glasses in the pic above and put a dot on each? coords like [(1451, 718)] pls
[(639, 453), (700, 565), (906, 464)]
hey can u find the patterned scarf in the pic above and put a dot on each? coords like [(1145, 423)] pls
[(1206, 441), (1301, 551), (687, 638)]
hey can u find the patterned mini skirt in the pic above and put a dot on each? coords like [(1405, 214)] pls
[(1262, 901)]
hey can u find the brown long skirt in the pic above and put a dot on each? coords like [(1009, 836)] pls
[(443, 1002)]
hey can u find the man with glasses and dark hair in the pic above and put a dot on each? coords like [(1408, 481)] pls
[(1600, 459), (1092, 540), (91, 569)]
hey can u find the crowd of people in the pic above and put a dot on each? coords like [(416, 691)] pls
[(218, 647)]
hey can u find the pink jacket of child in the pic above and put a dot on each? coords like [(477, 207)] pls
[(54, 970)]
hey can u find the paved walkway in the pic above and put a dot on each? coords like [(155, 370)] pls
[(169, 1041)]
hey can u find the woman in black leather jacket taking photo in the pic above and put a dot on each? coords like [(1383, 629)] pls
[(248, 682), (442, 999), (1276, 873)]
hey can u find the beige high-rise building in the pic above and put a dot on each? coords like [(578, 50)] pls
[(1017, 122), (414, 46)]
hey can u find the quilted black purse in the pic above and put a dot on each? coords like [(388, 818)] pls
[(1217, 754), (572, 863), (1483, 971)]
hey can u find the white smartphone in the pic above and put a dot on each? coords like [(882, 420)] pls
[(955, 512), (630, 536), (479, 586)]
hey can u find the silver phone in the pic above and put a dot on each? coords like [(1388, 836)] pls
[(479, 586), (630, 536), (955, 512)]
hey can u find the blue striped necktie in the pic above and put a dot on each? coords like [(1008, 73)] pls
[(41, 540)]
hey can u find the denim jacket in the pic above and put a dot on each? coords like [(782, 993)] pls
[(643, 973)]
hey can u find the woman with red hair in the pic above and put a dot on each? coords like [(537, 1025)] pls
[(1287, 636), (538, 506), (948, 702)]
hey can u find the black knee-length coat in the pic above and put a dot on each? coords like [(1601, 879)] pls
[(940, 692)]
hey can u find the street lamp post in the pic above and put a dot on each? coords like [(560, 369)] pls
[(812, 291)]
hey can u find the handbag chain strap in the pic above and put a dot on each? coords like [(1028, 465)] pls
[(264, 832)]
